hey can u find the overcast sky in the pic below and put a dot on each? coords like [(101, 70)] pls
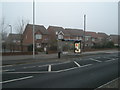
[(101, 16)]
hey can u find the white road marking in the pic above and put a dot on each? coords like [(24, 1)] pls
[(49, 68), (54, 71), (87, 65), (16, 79), (73, 68), (43, 65), (66, 69), (32, 72), (95, 60), (29, 67), (110, 60), (54, 64), (77, 64), (8, 70), (6, 66)]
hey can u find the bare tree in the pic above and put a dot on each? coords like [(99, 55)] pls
[(3, 27), (20, 26), (3, 32)]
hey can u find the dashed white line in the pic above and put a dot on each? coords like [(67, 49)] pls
[(49, 68), (95, 60), (54, 64), (26, 72), (50, 71), (110, 60), (29, 67), (73, 68), (6, 66), (87, 65), (77, 64), (43, 65), (16, 79), (66, 69), (8, 70)]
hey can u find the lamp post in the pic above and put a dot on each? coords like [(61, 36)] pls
[(11, 37), (33, 29), (11, 28), (84, 32)]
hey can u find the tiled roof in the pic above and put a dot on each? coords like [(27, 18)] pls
[(56, 28), (100, 34), (75, 32), (92, 34), (40, 28)]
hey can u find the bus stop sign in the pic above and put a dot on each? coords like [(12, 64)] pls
[(77, 46)]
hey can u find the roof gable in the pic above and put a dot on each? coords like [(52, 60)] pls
[(40, 28), (92, 34), (58, 29)]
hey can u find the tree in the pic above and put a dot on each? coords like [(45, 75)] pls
[(20, 26), (3, 27), (3, 32)]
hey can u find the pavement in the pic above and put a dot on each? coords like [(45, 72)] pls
[(20, 59), (89, 71)]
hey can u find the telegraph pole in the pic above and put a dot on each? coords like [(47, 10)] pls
[(84, 32), (33, 29)]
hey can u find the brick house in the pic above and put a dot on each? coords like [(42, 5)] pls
[(76, 34), (91, 38), (68, 34), (41, 37), (53, 36), (102, 37), (114, 39), (53, 32)]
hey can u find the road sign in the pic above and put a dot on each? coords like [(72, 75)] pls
[(77, 46)]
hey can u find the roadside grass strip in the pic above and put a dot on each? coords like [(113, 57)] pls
[(13, 80)]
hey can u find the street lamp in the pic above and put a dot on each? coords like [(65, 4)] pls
[(11, 28), (33, 29), (84, 32), (11, 37)]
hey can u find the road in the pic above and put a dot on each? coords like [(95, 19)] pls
[(83, 72)]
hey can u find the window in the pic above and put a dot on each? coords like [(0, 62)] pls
[(93, 39), (87, 38), (14, 41), (38, 36), (80, 38)]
